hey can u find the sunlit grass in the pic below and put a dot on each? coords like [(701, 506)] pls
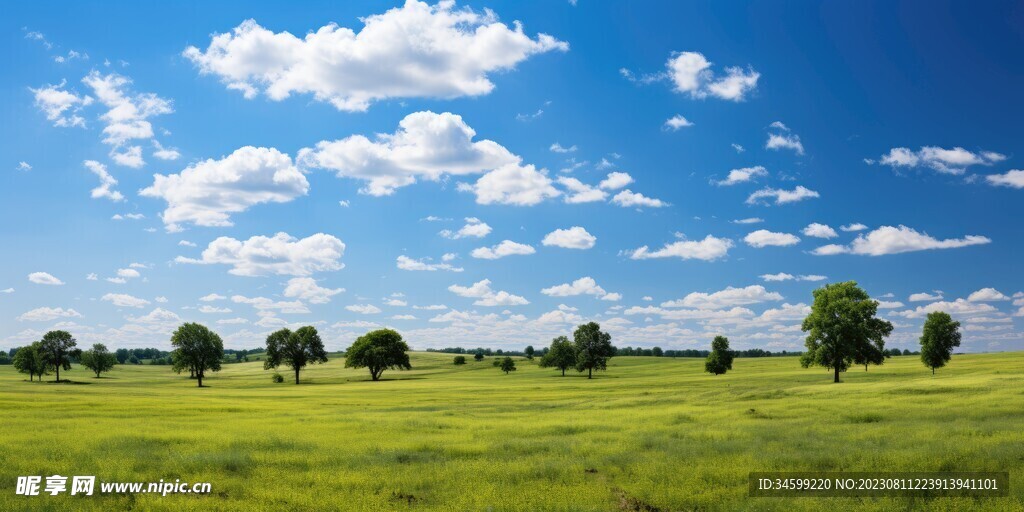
[(652, 431)]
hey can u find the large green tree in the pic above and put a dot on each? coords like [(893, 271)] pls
[(30, 360), (196, 349), (378, 350), (57, 348), (508, 365), (941, 335), (561, 355), (98, 359), (841, 326), (593, 348), (295, 349), (719, 360)]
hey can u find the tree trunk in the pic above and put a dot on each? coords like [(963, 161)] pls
[(296, 376), (58, 372), (590, 373), (933, 370), (865, 367), (563, 372), (199, 375), (837, 374)]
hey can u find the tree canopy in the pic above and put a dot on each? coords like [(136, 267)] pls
[(57, 348), (295, 349), (30, 360), (508, 365), (561, 355), (719, 360), (196, 349), (98, 359), (593, 348), (842, 327), (940, 336), (378, 350)]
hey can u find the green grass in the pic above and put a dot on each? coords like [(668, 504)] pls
[(649, 431)]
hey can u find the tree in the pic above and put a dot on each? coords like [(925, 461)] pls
[(657, 352), (295, 349), (479, 356), (840, 327), (941, 334), (561, 355), (98, 359), (871, 353), (30, 360), (529, 351), (719, 360), (459, 360), (593, 348), (122, 355), (196, 349), (508, 365), (57, 348), (378, 350)]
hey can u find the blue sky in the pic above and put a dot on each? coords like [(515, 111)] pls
[(294, 166)]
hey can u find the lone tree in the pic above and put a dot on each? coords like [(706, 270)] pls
[(378, 350), (719, 360), (98, 359), (941, 334), (842, 325), (508, 365), (196, 349), (561, 355), (593, 348), (57, 347), (30, 360), (295, 349), (529, 351), (479, 356), (459, 360)]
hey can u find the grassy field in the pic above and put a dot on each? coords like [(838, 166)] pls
[(651, 432)]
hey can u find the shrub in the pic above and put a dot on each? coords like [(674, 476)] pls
[(459, 360), (277, 378)]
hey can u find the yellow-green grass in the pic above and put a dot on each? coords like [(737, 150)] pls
[(654, 431)]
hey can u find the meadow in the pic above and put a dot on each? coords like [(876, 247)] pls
[(648, 434)]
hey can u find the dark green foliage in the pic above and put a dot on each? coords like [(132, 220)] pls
[(479, 356), (295, 349), (196, 349), (529, 351), (941, 334), (561, 355), (496, 363), (719, 360), (842, 328), (459, 360), (277, 378), (98, 359), (5, 359), (57, 348), (657, 352), (508, 365), (378, 350), (30, 360), (593, 348)]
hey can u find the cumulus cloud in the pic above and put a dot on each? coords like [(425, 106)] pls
[(726, 298), (127, 117), (406, 263), (44, 278), (790, 141), (581, 192), (505, 248), (307, 289), (582, 286), (709, 249), (1012, 179), (363, 309), (208, 192), (783, 276), (61, 106), (781, 196), (895, 240), (948, 161), (268, 307), (819, 231), (957, 308), (107, 182), (749, 220), (434, 51), (987, 295), (281, 254), (558, 148), (573, 238), (676, 122), (474, 228), (46, 314), (856, 226), (615, 180), (481, 290), (764, 238), (124, 300), (690, 73), (627, 198), (742, 175), (212, 297), (513, 185), (924, 297)]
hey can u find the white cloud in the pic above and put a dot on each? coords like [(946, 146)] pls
[(212, 297), (573, 238), (91, 277), (232, 321), (210, 310), (44, 278), (726, 298), (165, 153), (512, 184), (24, 166), (856, 226), (406, 263), (749, 220), (124, 300), (628, 198), (957, 308), (474, 228), (430, 51), (161, 300), (925, 297), (582, 286), (363, 309), (281, 254), (1012, 179), (742, 175), (186, 243), (615, 180), (505, 248), (987, 295), (781, 276), (764, 238), (896, 240), (7, 290), (709, 249), (127, 115), (61, 106), (691, 73), (45, 314), (558, 148), (676, 122), (107, 182), (581, 192), (396, 302), (129, 216), (791, 141), (307, 289), (948, 161), (481, 290), (819, 231), (781, 196), (208, 192), (885, 304), (267, 307)]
